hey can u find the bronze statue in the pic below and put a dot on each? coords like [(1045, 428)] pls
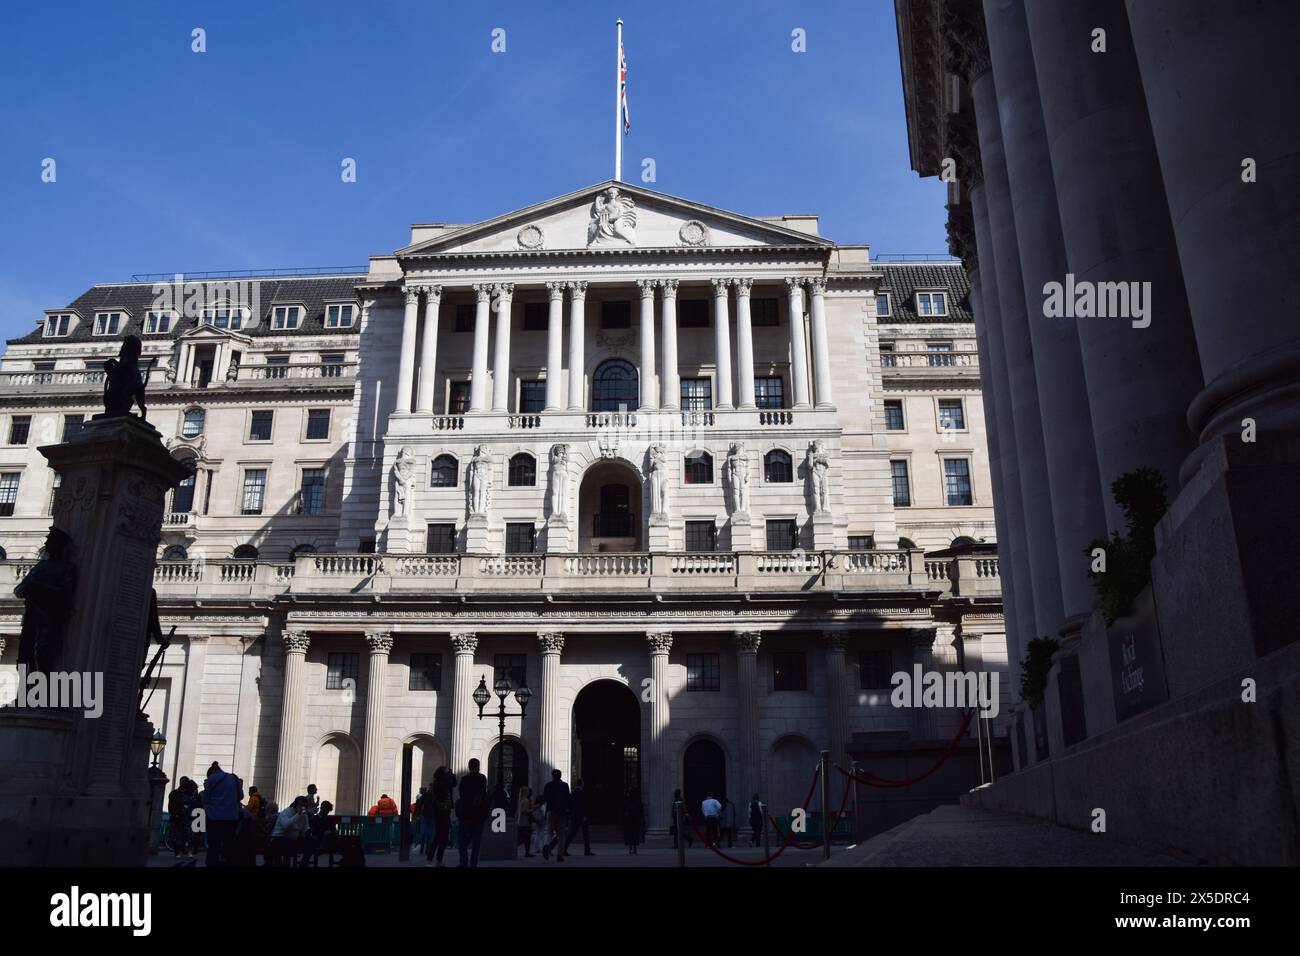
[(123, 383), (47, 591)]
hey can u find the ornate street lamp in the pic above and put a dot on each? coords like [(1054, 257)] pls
[(157, 781), (502, 686), (156, 745)]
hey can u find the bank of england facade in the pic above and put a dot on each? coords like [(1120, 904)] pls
[(702, 481)]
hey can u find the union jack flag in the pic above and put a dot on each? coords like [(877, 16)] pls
[(622, 89)]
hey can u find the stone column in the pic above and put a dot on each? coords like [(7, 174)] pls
[(554, 347), (428, 349), (504, 292), (924, 723), (375, 778), (406, 359), (478, 383), (577, 345), (646, 374), (750, 770), (744, 346), (1115, 221), (798, 344), (661, 774), (552, 646), (722, 342), (288, 764), (837, 696), (1069, 450), (821, 347), (671, 383), (463, 709)]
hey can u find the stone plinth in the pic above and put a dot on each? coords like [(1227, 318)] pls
[(659, 532), (745, 535), (76, 786), (477, 538), (823, 531), (398, 539), (557, 534)]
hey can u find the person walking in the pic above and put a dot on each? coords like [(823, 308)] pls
[(633, 819), (425, 810), (581, 819), (181, 803), (524, 820), (756, 811), (444, 782), (559, 804), (729, 822), (222, 794), (472, 812), (712, 812), (686, 820)]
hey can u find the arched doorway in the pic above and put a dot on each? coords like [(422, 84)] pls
[(606, 746), (609, 508), (338, 775), (514, 768), (704, 774), (790, 771)]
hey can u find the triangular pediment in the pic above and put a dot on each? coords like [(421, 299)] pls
[(212, 332), (612, 215)]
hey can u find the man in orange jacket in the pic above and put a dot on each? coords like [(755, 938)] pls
[(386, 806)]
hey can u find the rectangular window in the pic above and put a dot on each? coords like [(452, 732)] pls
[(338, 316), (259, 428), (340, 668), (532, 397), (8, 492), (764, 313), (313, 491), (157, 323), (703, 672), (950, 414), (441, 539), (58, 325), (862, 542), (894, 415), (224, 317), (938, 354), (769, 391), (254, 491), (616, 315), (701, 536), (277, 366), (464, 317), (107, 323), (887, 358), (519, 538), (956, 481), (458, 398), (875, 669), (536, 316), (331, 365), (782, 534), (513, 666), (44, 372), (318, 424), (285, 317), (697, 394), (426, 672), (932, 303), (882, 305), (72, 425), (693, 314), (902, 490), (789, 671), (20, 426)]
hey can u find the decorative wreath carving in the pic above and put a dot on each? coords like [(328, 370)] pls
[(693, 233), (531, 237)]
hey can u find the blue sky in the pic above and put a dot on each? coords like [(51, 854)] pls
[(170, 160)]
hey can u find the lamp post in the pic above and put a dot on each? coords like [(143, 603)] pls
[(503, 686), (157, 783)]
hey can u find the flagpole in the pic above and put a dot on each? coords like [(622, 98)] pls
[(618, 105)]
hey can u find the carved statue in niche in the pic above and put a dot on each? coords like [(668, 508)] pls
[(737, 476), (559, 479), (47, 593), (123, 383), (478, 480), (818, 467), (403, 473), (658, 479), (613, 219)]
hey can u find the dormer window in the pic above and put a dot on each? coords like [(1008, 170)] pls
[(158, 323), (338, 316), (57, 326), (107, 323), (883, 309), (285, 316), (224, 317), (932, 303)]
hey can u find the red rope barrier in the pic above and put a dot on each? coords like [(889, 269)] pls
[(785, 845), (884, 784)]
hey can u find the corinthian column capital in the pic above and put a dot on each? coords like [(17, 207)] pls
[(380, 642), (835, 640), (661, 642), (817, 286), (647, 287), (433, 295), (482, 291), (551, 642), (743, 287), (296, 642), (720, 286), (465, 643), (747, 642), (412, 293), (555, 290), (577, 290), (670, 287)]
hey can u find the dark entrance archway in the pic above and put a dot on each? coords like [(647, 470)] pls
[(704, 774), (515, 767), (606, 746), (609, 508)]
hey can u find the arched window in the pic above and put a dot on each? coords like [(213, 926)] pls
[(778, 466), (194, 422), (961, 541), (614, 387), (906, 544), (183, 496), (175, 553), (245, 552), (523, 470), (442, 473), (301, 550), (699, 468)]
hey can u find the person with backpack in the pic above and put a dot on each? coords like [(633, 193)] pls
[(222, 796), (559, 805), (472, 812), (444, 782)]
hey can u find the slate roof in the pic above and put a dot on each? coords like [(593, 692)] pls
[(135, 298), (903, 279)]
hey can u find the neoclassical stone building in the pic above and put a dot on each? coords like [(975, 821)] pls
[(675, 469)]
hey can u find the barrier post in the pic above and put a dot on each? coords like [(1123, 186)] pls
[(767, 852), (826, 804), (681, 834), (404, 825), (858, 828)]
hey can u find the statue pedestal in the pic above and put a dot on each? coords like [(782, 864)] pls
[(477, 539), (658, 533), (76, 784), (823, 531), (557, 534), (744, 533), (398, 539)]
